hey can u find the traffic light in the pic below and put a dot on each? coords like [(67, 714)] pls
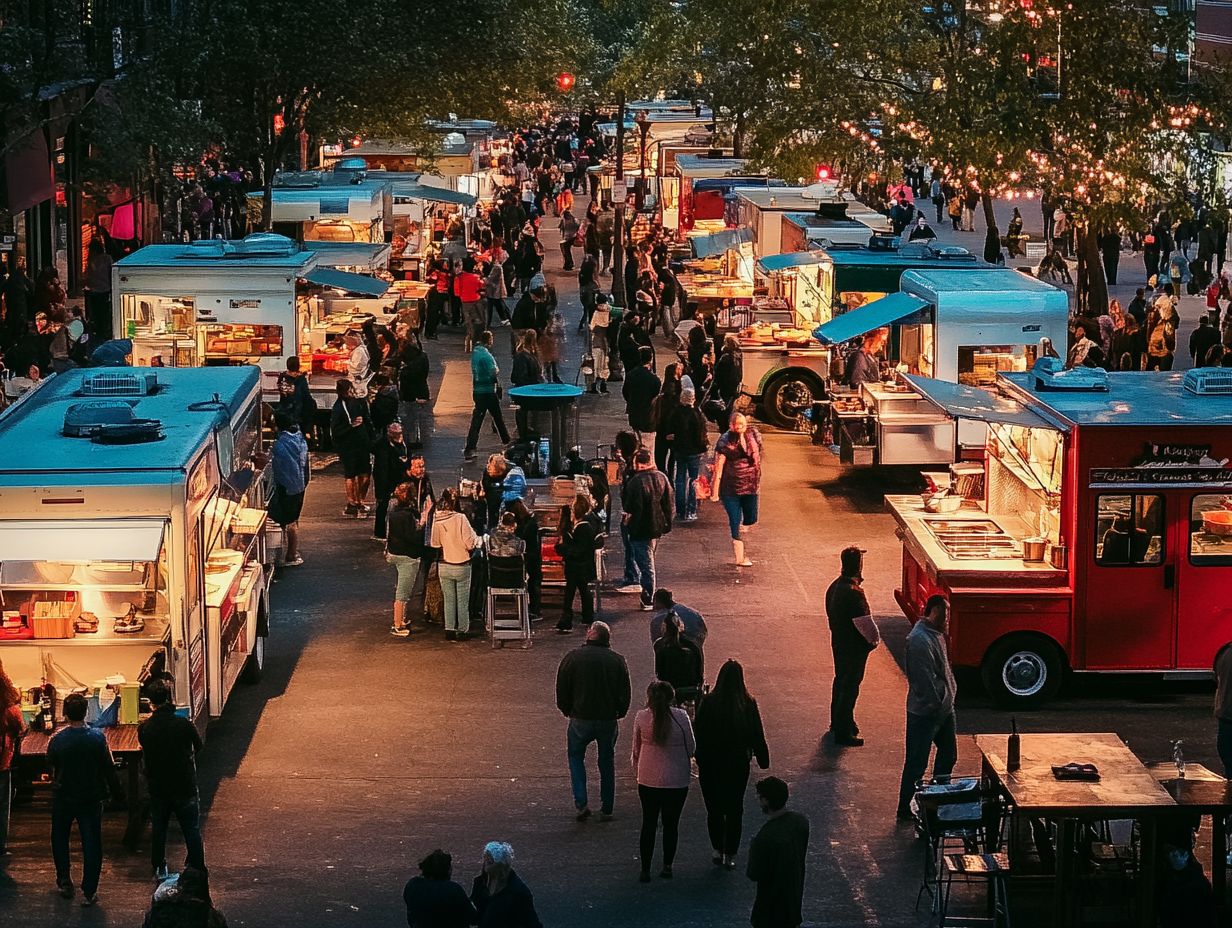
[(823, 172), (565, 81)]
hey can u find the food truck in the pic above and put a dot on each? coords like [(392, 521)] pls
[(773, 214), (852, 275), (828, 225), (342, 205), (692, 195), (256, 301), (959, 326), (1094, 536), (134, 541)]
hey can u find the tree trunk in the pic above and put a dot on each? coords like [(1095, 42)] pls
[(738, 135), (990, 217), (1096, 294)]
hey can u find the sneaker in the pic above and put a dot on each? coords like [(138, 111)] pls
[(90, 900), (605, 816), (294, 562), (350, 510), (583, 813), (468, 455), (645, 605), (691, 517), (629, 588), (161, 873), (364, 511), (504, 322), (451, 636), (66, 888), (400, 631)]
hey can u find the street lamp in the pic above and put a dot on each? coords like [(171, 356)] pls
[(642, 121)]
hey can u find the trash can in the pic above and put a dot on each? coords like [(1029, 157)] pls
[(552, 413)]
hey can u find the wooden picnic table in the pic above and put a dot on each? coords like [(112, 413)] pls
[(122, 739), (1202, 792), (1126, 789)]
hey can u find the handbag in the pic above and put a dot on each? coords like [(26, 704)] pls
[(866, 625)]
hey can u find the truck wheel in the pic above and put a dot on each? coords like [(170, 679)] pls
[(1022, 670), (255, 664), (787, 395)]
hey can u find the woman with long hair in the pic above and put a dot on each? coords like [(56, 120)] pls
[(729, 733), (404, 551), (737, 480), (662, 411), (452, 533), (528, 531), (678, 660), (11, 729), (662, 747)]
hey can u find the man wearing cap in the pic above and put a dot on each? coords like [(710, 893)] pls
[(846, 602), (531, 310)]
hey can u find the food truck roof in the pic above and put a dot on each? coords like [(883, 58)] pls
[(913, 256), (781, 199), (997, 288), (260, 250), (698, 165), (1150, 398), (350, 254), (33, 443)]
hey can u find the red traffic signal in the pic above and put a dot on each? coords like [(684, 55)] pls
[(823, 172), (565, 81)]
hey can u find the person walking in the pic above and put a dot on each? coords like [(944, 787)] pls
[(495, 291), (390, 457), (569, 227), (414, 393), (729, 733), (679, 661), (351, 433), (577, 547), (777, 857), (646, 498), (640, 388), (500, 897), (404, 551), (846, 605), (484, 387), (169, 746), (688, 438), (664, 605), (737, 481), (12, 727), (593, 693), (433, 899), (82, 775), (663, 745), (453, 535), (930, 703), (728, 376), (289, 464)]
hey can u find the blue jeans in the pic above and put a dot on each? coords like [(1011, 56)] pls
[(687, 469), (603, 733), (456, 591), (740, 510), (630, 567), (643, 551), (89, 819), (923, 731), (408, 572), (188, 813)]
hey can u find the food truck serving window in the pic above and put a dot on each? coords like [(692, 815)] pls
[(1210, 530), (242, 341), (1129, 530), (978, 366)]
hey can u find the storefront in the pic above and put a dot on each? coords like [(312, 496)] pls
[(1094, 535), (134, 542)]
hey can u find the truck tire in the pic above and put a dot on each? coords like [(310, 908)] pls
[(788, 390), (1022, 670), (255, 665)]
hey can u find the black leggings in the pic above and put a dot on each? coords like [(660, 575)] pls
[(668, 803), (723, 789)]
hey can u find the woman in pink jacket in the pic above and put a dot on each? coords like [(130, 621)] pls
[(662, 748)]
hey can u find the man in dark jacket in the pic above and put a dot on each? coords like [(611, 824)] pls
[(640, 388), (1201, 340), (500, 897), (845, 601), (413, 392), (646, 499), (390, 457), (350, 430), (777, 858), (169, 746), (632, 337), (592, 692)]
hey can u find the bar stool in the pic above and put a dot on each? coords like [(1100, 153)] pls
[(991, 869), (507, 585)]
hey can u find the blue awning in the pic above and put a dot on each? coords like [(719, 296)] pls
[(351, 283), (963, 402), (864, 319), (707, 246), (404, 191), (771, 263)]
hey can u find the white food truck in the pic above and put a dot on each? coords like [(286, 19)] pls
[(133, 532)]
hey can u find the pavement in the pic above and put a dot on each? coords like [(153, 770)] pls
[(358, 753)]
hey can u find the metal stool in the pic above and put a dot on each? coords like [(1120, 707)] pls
[(991, 869), (504, 626)]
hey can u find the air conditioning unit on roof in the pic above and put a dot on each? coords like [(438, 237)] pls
[(1209, 381), (119, 383)]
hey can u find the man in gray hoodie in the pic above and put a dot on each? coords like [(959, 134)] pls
[(930, 703)]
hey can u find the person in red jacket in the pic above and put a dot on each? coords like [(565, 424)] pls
[(468, 288)]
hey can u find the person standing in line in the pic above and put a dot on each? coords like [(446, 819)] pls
[(390, 457), (404, 550), (351, 433), (930, 703), (687, 435), (468, 287), (484, 373), (169, 746), (640, 388), (593, 693), (1223, 706), (737, 481), (845, 604), (12, 727), (433, 899), (453, 534), (663, 745), (729, 733), (777, 858), (577, 547), (528, 531), (82, 775), (289, 463), (359, 363), (500, 897), (646, 498), (413, 391)]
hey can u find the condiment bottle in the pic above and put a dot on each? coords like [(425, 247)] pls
[(1013, 751), (1178, 757)]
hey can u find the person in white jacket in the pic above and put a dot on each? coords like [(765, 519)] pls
[(453, 534)]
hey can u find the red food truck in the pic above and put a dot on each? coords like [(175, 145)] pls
[(1095, 535)]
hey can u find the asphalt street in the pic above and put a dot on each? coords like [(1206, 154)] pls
[(359, 753)]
